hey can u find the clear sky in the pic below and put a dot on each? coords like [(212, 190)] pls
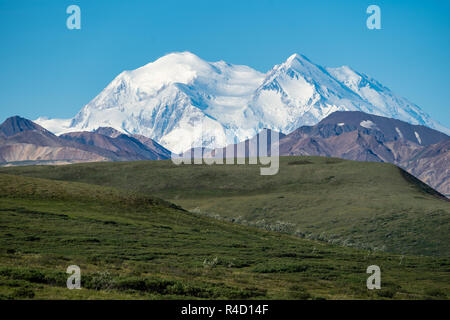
[(48, 70)]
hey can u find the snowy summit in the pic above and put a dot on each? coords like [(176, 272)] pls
[(182, 101)]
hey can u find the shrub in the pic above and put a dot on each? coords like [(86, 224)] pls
[(435, 292), (35, 276), (23, 293), (211, 263), (387, 292), (299, 292), (98, 281), (143, 284)]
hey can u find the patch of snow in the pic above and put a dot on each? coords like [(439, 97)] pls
[(399, 132), (56, 126), (367, 124), (418, 137), (383, 100), (340, 124)]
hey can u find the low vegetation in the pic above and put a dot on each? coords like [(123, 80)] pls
[(364, 205), (133, 246)]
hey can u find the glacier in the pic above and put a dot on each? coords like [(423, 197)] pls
[(182, 101)]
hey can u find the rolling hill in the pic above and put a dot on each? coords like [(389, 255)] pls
[(354, 135), (367, 205), (351, 135), (134, 246)]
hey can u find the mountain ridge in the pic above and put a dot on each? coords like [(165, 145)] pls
[(169, 99), (23, 140), (353, 135)]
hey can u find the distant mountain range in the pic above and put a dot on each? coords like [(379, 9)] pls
[(22, 140), (181, 103), (359, 136), (352, 135), (422, 151), (170, 99)]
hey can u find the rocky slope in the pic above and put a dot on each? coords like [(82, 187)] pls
[(22, 140), (422, 151)]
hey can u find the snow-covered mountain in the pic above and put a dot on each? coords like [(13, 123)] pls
[(383, 99), (182, 101)]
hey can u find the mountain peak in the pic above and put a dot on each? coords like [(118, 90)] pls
[(167, 99), (108, 131), (184, 54), (176, 67), (175, 59), (298, 63), (297, 60), (297, 56), (293, 57), (16, 124)]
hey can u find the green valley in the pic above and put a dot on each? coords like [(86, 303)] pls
[(131, 246), (366, 205)]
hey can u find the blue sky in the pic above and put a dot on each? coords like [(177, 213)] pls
[(48, 70)]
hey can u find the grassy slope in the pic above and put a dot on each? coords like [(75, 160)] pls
[(360, 204), (133, 246)]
